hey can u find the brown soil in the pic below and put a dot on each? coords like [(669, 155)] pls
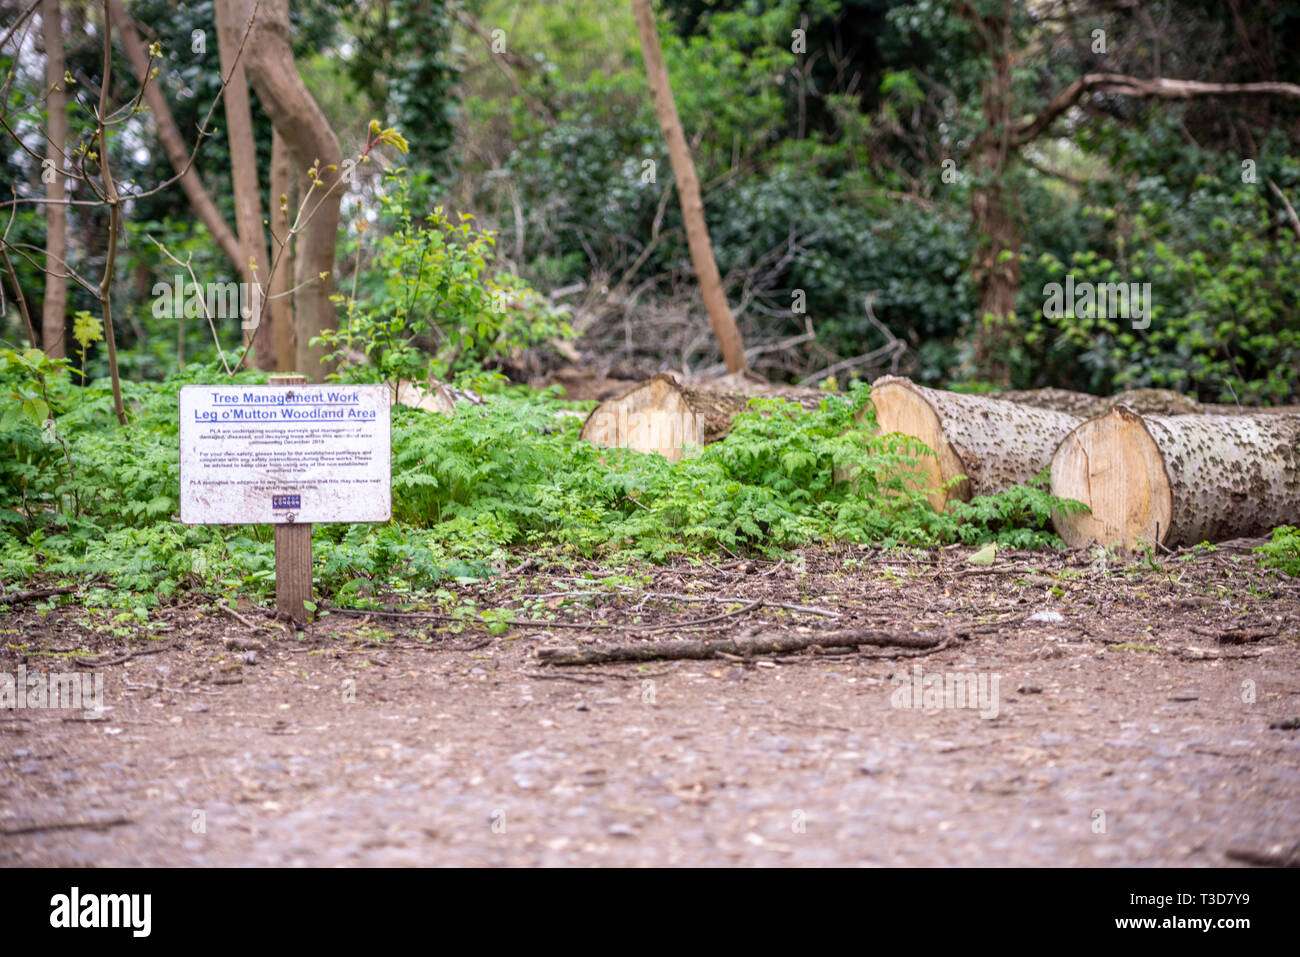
[(1135, 730)]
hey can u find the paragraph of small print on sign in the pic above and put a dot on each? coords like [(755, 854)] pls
[(285, 454)]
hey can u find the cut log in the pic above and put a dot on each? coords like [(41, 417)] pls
[(1141, 401), (661, 415), (1178, 480), (432, 397), (995, 443), (1086, 406)]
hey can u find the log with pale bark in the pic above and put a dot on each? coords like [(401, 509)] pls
[(1142, 401), (1178, 480), (1007, 438), (662, 415), (993, 442)]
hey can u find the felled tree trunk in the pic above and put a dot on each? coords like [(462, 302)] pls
[(1086, 406), (1178, 480), (660, 415), (995, 443), (1142, 401)]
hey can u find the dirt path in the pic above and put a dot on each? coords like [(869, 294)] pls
[(1134, 730)]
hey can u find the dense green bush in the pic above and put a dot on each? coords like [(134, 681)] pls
[(1225, 294)]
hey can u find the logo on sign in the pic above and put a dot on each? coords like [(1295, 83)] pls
[(286, 501)]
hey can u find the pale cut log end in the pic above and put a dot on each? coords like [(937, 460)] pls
[(1114, 466), (431, 398), (653, 416), (901, 407)]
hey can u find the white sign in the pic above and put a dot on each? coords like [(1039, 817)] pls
[(285, 454)]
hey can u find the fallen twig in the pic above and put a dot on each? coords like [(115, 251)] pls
[(1279, 855), (99, 825), (18, 597), (240, 618), (1235, 636), (762, 645), (102, 662)]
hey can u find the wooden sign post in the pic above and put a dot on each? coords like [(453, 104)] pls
[(292, 552), (287, 453)]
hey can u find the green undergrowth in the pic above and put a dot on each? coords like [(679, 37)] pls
[(1283, 552), (83, 498)]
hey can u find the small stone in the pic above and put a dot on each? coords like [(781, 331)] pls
[(581, 706), (621, 830), (1286, 724), (1030, 689), (1049, 616)]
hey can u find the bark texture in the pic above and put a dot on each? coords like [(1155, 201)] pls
[(1178, 480), (995, 265), (178, 154), (281, 282), (1142, 401), (54, 310), (706, 648), (232, 18), (993, 442), (297, 117)]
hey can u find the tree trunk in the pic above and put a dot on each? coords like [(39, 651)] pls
[(994, 443), (297, 117), (178, 154), (661, 416), (688, 191), (232, 17), (1178, 480), (282, 213), (55, 308), (1142, 401), (995, 267)]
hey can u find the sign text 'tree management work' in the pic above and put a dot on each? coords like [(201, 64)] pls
[(294, 454)]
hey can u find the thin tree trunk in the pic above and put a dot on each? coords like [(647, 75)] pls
[(298, 118), (232, 16), (55, 307), (995, 267), (174, 146), (688, 191), (282, 213), (114, 221)]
